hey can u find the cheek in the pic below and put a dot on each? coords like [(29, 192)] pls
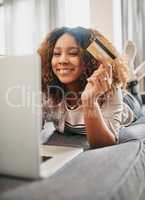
[(79, 65), (76, 61), (53, 61), (53, 64)]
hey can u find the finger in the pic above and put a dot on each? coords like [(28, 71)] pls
[(95, 75), (92, 80), (110, 71), (96, 72), (108, 80), (106, 61), (106, 66), (98, 82), (103, 83)]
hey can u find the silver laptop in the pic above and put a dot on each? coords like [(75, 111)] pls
[(20, 122)]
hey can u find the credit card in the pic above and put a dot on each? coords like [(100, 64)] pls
[(101, 50)]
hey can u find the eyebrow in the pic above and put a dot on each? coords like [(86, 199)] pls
[(69, 48)]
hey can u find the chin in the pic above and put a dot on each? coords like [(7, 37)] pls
[(67, 80)]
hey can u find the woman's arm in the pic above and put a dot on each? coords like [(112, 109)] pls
[(100, 130), (98, 133)]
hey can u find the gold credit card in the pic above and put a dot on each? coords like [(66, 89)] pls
[(101, 51)]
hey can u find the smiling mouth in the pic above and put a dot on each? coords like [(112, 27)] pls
[(64, 71)]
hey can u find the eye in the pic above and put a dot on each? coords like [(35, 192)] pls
[(74, 53), (56, 53)]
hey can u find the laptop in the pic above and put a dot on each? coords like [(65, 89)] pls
[(21, 153)]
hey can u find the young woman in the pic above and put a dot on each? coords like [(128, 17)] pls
[(81, 94)]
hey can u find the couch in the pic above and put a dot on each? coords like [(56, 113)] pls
[(110, 173)]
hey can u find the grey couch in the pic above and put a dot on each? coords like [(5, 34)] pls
[(111, 173)]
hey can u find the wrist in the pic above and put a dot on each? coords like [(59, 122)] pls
[(91, 108)]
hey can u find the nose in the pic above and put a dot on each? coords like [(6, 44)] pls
[(63, 59)]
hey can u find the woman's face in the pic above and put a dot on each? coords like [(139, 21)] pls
[(66, 61)]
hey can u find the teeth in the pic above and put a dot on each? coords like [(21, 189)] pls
[(64, 71)]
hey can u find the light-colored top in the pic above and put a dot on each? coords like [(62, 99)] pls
[(115, 112)]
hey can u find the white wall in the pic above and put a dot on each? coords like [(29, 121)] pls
[(105, 17), (77, 13), (101, 16)]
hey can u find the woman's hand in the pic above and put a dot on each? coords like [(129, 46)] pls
[(98, 83)]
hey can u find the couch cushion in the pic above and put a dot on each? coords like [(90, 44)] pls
[(134, 132), (115, 172)]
